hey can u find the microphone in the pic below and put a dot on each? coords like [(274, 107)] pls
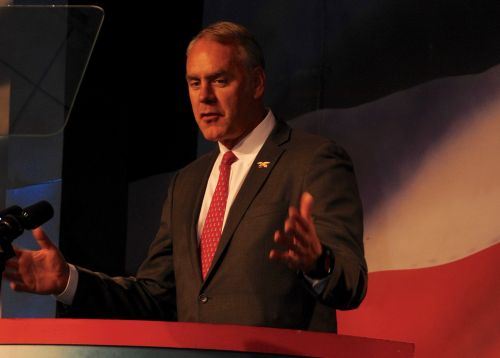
[(14, 220), (13, 210), (35, 215)]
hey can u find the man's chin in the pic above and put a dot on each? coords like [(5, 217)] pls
[(212, 137)]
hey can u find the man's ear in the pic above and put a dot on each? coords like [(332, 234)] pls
[(259, 78)]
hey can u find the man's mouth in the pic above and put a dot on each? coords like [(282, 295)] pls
[(210, 116)]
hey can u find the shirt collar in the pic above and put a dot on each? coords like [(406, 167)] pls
[(251, 144)]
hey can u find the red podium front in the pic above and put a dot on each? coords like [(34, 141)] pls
[(35, 335)]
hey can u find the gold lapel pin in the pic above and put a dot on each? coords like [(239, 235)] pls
[(263, 164)]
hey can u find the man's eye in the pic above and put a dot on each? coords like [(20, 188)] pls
[(221, 81), (194, 84)]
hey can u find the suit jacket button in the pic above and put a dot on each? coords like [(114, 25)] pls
[(203, 298)]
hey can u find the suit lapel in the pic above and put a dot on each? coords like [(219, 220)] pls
[(270, 152)]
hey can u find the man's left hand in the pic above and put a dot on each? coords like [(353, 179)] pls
[(301, 244)]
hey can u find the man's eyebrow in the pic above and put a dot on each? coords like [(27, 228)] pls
[(191, 77), (217, 74), (210, 76)]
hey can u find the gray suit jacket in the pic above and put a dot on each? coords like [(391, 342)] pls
[(243, 286)]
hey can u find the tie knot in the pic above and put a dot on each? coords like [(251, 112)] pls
[(229, 158)]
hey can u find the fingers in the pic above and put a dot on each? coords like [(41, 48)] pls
[(306, 204), (291, 255), (297, 228), (13, 276), (18, 286), (287, 257), (42, 239), (301, 245)]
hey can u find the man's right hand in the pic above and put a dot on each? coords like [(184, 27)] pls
[(43, 271)]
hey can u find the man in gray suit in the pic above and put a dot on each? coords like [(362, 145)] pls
[(286, 249)]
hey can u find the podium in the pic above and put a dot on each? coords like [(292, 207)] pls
[(44, 337)]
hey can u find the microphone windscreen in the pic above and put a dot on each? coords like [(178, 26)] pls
[(36, 214), (11, 210)]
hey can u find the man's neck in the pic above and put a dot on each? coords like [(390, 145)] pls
[(231, 143), (255, 137)]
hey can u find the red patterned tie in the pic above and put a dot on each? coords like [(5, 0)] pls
[(212, 228)]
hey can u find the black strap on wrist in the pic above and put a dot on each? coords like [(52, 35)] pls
[(324, 264)]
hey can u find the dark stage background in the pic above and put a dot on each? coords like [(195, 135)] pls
[(131, 119)]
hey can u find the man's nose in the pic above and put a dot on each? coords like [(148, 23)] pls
[(207, 94)]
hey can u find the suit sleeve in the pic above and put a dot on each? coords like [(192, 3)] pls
[(338, 216), (148, 296)]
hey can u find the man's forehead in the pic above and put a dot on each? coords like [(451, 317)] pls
[(210, 63)]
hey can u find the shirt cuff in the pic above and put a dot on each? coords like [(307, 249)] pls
[(68, 294)]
